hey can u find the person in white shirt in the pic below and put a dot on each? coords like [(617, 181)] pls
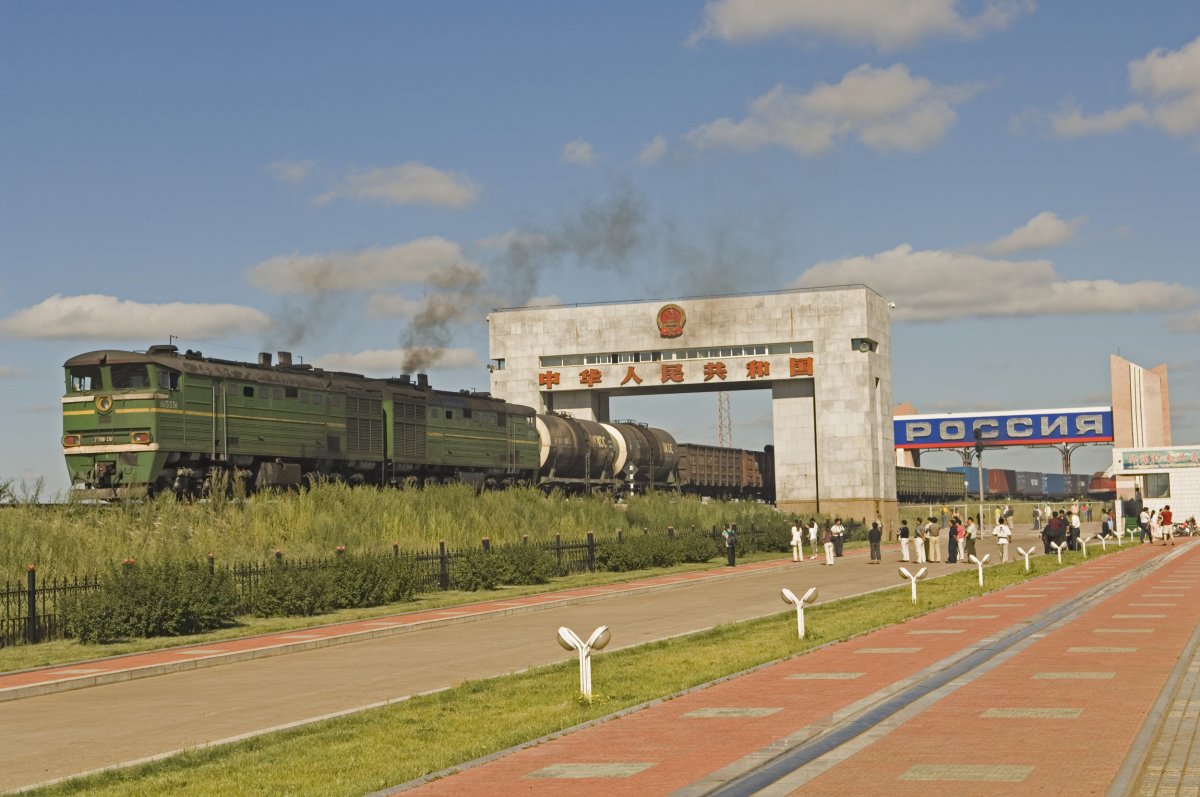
[(1003, 535), (797, 542), (813, 531), (905, 534), (920, 543), (839, 536)]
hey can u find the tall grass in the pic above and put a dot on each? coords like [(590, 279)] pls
[(73, 539)]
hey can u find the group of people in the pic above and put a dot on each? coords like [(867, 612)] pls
[(832, 537), (961, 539), (924, 540), (1158, 525)]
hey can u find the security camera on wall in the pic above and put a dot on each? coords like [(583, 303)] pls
[(892, 305)]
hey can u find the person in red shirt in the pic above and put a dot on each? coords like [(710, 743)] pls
[(1164, 523)]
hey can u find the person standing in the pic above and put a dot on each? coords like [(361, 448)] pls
[(1003, 535), (1144, 525), (839, 536), (828, 540), (925, 533), (922, 544), (952, 540), (905, 534), (1165, 523), (1106, 526), (875, 538), (972, 536), (813, 532), (1037, 518), (935, 543), (797, 542), (1073, 539)]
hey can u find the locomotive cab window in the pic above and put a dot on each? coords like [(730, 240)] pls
[(130, 376), (84, 378), (167, 380), (247, 391)]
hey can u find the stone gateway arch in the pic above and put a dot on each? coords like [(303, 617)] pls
[(825, 355)]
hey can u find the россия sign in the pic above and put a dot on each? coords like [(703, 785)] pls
[(1020, 428)]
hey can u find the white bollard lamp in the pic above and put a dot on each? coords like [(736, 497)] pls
[(1058, 548), (979, 563), (569, 640), (913, 578), (801, 602)]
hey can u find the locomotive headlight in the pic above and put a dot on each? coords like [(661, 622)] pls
[(70, 440), (141, 437), (104, 404)]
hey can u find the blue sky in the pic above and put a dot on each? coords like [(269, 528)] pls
[(360, 182)]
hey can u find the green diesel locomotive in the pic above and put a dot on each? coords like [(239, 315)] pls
[(162, 420)]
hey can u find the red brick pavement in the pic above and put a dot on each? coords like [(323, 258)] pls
[(676, 748)]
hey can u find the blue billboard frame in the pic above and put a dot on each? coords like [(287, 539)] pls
[(1021, 428)]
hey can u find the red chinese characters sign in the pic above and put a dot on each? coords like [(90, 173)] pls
[(678, 373)]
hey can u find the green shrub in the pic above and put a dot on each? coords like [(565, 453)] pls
[(171, 599), (475, 570), (773, 538), (289, 591), (697, 547), (637, 552), (528, 564)]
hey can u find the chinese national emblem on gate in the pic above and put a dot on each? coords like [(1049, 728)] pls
[(671, 319)]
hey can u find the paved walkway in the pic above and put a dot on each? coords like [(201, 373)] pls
[(65, 721), (115, 669), (1082, 682)]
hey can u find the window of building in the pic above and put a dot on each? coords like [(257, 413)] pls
[(1156, 485)]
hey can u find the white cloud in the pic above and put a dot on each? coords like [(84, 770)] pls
[(943, 285), (99, 317), (885, 23), (887, 109), (391, 362), (1043, 231), (1073, 123), (654, 151), (294, 172), (8, 372), (412, 183), (433, 261), (578, 151), (1169, 82)]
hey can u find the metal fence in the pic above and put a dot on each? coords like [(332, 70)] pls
[(31, 612)]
